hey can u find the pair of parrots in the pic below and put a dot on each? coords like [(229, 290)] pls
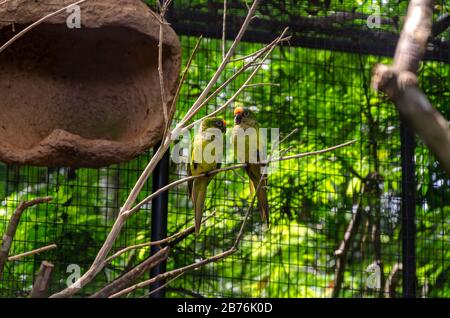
[(243, 119)]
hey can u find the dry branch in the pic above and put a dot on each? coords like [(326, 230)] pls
[(168, 240), (224, 28), (238, 166), (35, 24), (33, 252), (180, 271), (8, 237), (341, 252), (400, 82), (130, 277), (127, 209), (99, 261), (42, 281), (393, 280)]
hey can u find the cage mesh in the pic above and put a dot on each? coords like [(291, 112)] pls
[(321, 88)]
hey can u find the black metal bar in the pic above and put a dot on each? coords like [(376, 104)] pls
[(308, 36), (408, 212), (159, 217)]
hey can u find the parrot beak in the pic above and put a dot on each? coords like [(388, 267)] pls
[(224, 126), (238, 115), (238, 119)]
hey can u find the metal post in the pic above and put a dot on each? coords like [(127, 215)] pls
[(408, 211), (159, 217)]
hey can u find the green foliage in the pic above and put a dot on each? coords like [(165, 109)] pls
[(323, 94)]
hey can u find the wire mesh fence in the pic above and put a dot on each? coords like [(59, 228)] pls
[(336, 218)]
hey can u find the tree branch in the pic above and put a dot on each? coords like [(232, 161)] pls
[(99, 261), (33, 252), (341, 252), (8, 237), (393, 280), (130, 277), (42, 281), (35, 24), (167, 240), (400, 83)]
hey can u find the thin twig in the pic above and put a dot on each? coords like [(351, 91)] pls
[(341, 252), (180, 271), (124, 213), (253, 56), (160, 64), (393, 280), (195, 107), (239, 91), (35, 24), (162, 286), (166, 240), (224, 28), (237, 166), (128, 278), (400, 83), (8, 237), (33, 252), (261, 84), (180, 85)]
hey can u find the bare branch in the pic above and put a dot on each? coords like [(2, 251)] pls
[(8, 237), (35, 24), (167, 240), (99, 263), (400, 83), (196, 106), (42, 281), (224, 29), (341, 252), (180, 85), (393, 280), (237, 166), (128, 278), (33, 252), (160, 73), (180, 271), (239, 91), (164, 285)]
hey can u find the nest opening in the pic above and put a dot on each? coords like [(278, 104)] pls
[(97, 83)]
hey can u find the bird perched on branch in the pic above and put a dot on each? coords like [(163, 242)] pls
[(249, 150), (206, 156)]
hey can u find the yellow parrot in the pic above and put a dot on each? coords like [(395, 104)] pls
[(202, 162), (251, 152)]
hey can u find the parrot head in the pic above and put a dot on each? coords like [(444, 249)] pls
[(214, 122), (245, 117)]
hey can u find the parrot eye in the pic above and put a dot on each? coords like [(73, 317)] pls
[(246, 113), (219, 123)]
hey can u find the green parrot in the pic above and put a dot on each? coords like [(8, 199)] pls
[(201, 163), (244, 118)]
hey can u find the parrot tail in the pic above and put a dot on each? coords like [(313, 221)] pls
[(254, 172), (262, 201), (199, 196)]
